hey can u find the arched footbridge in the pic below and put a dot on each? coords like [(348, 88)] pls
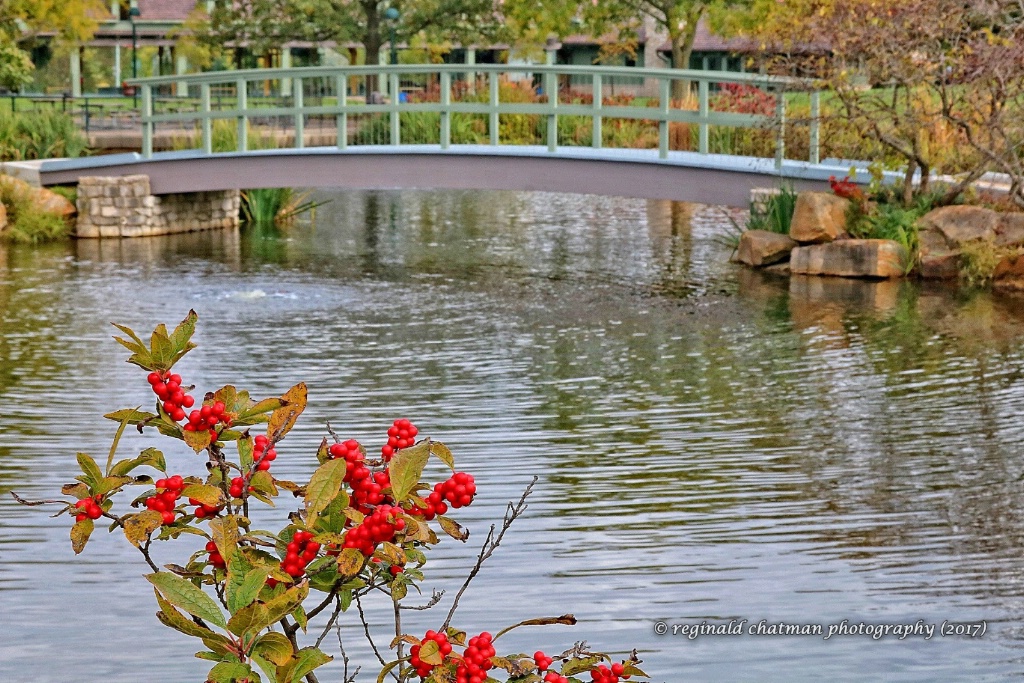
[(585, 129)]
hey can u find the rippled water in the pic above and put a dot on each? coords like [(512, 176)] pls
[(711, 443)]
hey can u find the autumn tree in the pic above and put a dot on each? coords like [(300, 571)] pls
[(938, 83), (22, 21)]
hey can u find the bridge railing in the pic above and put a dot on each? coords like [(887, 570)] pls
[(556, 105)]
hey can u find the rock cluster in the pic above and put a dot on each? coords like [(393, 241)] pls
[(43, 199)]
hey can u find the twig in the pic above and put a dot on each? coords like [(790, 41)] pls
[(344, 658), (330, 624), (434, 599), (369, 638), (491, 544)]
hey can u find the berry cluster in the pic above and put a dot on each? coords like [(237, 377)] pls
[(207, 418), (423, 669), (167, 388), (166, 497), (236, 487), (351, 452), (458, 490), (476, 661), (215, 557), (300, 552), (203, 510), (260, 444), (846, 188), (401, 434), (542, 660), (375, 529), (604, 674), (554, 677), (88, 508)]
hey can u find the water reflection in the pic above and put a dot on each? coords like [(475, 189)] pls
[(713, 442)]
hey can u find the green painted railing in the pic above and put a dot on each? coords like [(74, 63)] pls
[(259, 94)]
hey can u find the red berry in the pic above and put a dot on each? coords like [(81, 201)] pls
[(168, 517), (188, 401)]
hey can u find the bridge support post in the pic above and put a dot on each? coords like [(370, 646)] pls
[(666, 101), (396, 129), (551, 88), (242, 96), (597, 134), (780, 122), (471, 75), (341, 88), (76, 71), (815, 127), (207, 124), (702, 105), (446, 117), (300, 118), (493, 122), (180, 68), (147, 122)]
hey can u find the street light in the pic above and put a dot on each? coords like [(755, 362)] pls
[(391, 14), (134, 14)]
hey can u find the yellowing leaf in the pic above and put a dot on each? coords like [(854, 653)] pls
[(283, 419), (80, 533), (205, 494), (453, 528), (138, 527), (197, 441), (274, 647)]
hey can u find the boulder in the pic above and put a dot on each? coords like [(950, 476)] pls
[(1009, 273), (960, 224), (762, 248), (3, 217), (51, 202), (850, 258), (1010, 231), (943, 231), (818, 217)]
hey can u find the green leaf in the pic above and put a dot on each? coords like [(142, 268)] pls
[(205, 494), (150, 457), (248, 590), (274, 647), (631, 669), (269, 668), (140, 352), (181, 338), (199, 440), (185, 595), (78, 490), (441, 452), (309, 658), (245, 456), (229, 672), (323, 487), (179, 622), (575, 666), (161, 348), (283, 419), (406, 469), (299, 614), (138, 527), (117, 440), (108, 484), (286, 603), (250, 619), (267, 405), (133, 415), (93, 475), (263, 482), (80, 533)]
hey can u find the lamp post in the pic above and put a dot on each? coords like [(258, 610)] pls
[(391, 14), (134, 14)]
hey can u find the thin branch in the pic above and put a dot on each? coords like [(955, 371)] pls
[(434, 599), (344, 658), (330, 624), (491, 544), (369, 638)]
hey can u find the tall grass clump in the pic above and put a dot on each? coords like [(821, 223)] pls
[(275, 206), (775, 214), (26, 222), (40, 135)]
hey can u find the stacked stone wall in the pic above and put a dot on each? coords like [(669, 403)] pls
[(124, 207)]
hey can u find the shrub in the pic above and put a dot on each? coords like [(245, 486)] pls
[(776, 213), (361, 533), (978, 261), (40, 135), (274, 206), (26, 222)]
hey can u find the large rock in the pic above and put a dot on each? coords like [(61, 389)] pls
[(961, 224), (3, 217), (51, 202), (1010, 231), (818, 217), (1009, 274), (762, 248), (850, 258), (943, 231)]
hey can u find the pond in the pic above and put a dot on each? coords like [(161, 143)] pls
[(711, 443)]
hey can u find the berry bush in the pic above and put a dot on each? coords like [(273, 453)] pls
[(358, 529)]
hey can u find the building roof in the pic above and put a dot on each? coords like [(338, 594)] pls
[(165, 10), (706, 41)]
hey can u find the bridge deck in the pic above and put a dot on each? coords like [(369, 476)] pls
[(682, 176)]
